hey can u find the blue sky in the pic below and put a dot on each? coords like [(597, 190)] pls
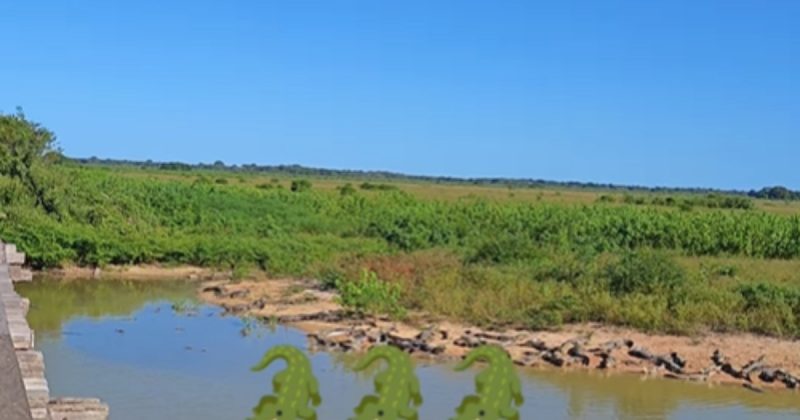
[(674, 93)]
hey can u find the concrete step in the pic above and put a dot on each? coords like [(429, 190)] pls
[(11, 300), (38, 392), (16, 303), (21, 335), (78, 409), (31, 363), (20, 274), (13, 257), (16, 311), (41, 414)]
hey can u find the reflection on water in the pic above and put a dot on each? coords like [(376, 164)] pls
[(142, 349)]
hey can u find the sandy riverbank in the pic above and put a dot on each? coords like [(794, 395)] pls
[(584, 346)]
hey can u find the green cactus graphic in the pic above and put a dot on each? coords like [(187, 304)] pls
[(294, 387), (497, 387), (397, 387)]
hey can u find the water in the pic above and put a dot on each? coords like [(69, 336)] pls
[(152, 352)]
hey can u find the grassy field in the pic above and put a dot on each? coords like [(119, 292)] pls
[(437, 191), (489, 255), (528, 257)]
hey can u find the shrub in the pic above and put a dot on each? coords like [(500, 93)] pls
[(347, 189), (685, 205), (727, 270), (765, 295), (331, 278), (771, 309), (644, 271), (504, 250), (371, 295), (564, 267), (300, 185), (552, 314), (379, 187)]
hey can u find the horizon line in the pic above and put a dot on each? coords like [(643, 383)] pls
[(327, 171)]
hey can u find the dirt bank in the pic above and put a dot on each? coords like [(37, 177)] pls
[(742, 359)]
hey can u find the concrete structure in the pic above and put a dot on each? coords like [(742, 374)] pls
[(24, 394)]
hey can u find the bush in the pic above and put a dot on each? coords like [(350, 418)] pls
[(552, 314), (564, 267), (331, 278), (765, 295), (371, 295), (378, 187), (300, 185), (645, 271), (504, 250), (347, 189), (727, 270), (771, 309)]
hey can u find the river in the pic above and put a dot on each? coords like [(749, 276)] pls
[(152, 351)]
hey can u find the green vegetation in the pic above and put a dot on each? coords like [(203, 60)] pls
[(377, 187), (25, 149), (645, 272), (776, 193), (347, 189), (300, 185), (488, 259), (711, 201), (770, 193), (371, 295)]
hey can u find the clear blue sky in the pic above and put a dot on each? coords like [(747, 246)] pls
[(676, 93)]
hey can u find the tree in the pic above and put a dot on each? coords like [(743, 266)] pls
[(779, 193), (24, 144), (776, 193)]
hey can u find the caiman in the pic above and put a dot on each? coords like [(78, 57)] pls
[(296, 390), (497, 388), (397, 387)]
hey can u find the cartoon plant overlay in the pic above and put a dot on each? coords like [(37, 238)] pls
[(497, 387), (294, 387), (397, 387)]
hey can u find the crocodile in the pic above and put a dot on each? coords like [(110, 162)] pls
[(498, 387), (294, 387), (397, 387)]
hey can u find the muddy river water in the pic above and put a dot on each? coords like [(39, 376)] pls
[(151, 351)]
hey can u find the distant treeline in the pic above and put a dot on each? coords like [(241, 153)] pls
[(775, 193), (769, 193)]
